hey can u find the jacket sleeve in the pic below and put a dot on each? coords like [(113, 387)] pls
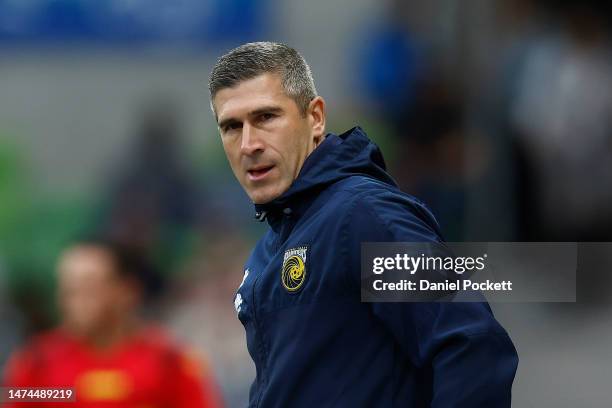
[(470, 356)]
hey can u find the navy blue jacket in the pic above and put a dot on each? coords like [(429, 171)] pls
[(315, 344)]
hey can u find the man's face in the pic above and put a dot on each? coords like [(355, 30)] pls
[(265, 136), (91, 294)]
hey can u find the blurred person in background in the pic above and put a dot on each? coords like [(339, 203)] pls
[(313, 341), (433, 136), (103, 348), (560, 112), (154, 200)]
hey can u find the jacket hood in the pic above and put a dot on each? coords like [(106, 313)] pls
[(337, 157)]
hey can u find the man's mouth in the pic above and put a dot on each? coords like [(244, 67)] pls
[(259, 172)]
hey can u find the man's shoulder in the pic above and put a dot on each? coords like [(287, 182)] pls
[(370, 194), (361, 184), (365, 200)]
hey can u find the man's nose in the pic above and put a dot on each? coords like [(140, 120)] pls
[(251, 143)]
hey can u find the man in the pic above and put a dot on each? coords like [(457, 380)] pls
[(102, 349), (314, 343)]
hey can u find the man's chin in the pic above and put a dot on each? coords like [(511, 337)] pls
[(263, 200), (263, 197)]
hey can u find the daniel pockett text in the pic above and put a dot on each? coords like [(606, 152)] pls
[(505, 272), (413, 264)]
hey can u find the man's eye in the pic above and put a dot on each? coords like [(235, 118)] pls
[(232, 126), (266, 116)]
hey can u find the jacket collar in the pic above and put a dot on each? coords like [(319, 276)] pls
[(337, 157)]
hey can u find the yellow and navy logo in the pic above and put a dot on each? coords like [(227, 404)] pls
[(293, 273)]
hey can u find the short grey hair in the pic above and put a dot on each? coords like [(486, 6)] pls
[(253, 59)]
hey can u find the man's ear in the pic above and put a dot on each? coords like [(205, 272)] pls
[(316, 116)]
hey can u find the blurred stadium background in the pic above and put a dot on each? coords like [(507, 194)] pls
[(498, 114)]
